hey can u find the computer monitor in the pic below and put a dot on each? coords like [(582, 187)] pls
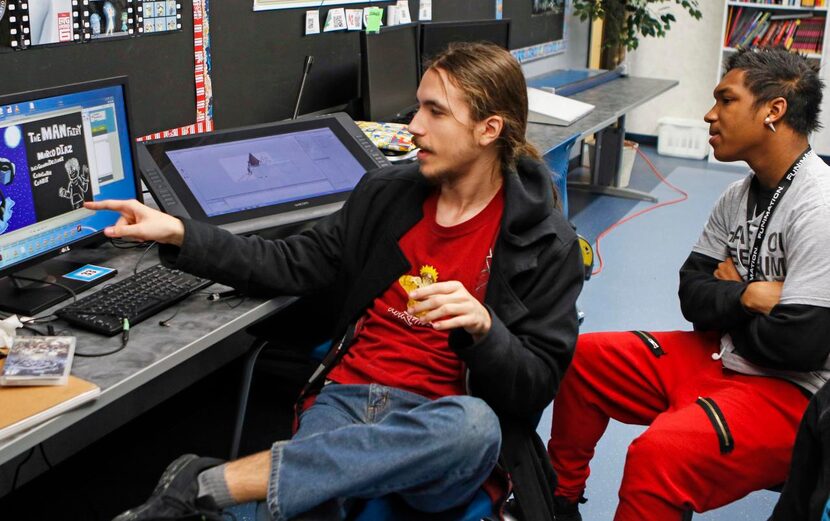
[(58, 148), (390, 72), (437, 36), (256, 178)]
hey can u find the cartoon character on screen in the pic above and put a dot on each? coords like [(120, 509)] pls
[(95, 23), (78, 183), (6, 203), (124, 22), (109, 13)]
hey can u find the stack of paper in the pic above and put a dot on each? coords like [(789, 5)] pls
[(551, 109)]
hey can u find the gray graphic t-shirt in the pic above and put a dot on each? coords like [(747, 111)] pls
[(796, 250)]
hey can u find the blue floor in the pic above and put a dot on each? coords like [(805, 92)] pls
[(638, 290)]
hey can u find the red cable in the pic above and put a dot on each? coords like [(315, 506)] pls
[(624, 220)]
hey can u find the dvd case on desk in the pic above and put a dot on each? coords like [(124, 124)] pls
[(38, 360)]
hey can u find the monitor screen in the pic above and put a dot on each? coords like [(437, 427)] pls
[(436, 36), (253, 173), (254, 178), (59, 148), (390, 72)]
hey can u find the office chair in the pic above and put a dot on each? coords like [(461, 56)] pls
[(557, 160)]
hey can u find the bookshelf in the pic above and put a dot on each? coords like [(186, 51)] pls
[(800, 25)]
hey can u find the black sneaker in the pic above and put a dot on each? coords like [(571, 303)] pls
[(175, 495), (567, 510)]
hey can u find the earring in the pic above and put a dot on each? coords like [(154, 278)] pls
[(768, 123)]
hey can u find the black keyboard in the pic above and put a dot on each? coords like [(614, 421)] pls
[(135, 298)]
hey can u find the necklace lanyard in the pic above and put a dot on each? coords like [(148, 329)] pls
[(783, 185)]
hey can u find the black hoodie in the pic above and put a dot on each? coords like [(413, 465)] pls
[(353, 256)]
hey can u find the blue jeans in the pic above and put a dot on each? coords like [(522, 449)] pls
[(368, 441)]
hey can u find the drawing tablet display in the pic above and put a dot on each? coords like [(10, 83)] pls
[(254, 178)]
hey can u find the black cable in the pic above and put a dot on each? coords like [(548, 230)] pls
[(135, 268), (125, 338), (50, 282), (166, 321), (215, 297), (47, 318), (123, 244), (234, 306), (34, 330)]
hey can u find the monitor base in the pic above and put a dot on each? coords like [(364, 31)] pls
[(30, 297)]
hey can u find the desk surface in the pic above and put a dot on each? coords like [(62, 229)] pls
[(612, 100), (152, 349)]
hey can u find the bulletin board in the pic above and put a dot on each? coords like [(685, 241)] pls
[(159, 68)]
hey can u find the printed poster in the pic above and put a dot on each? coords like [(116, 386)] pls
[(57, 163)]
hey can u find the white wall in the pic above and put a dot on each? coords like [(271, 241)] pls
[(689, 53)]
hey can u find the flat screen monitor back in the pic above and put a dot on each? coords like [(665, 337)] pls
[(436, 36), (390, 72)]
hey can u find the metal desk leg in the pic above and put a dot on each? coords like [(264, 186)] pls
[(606, 165)]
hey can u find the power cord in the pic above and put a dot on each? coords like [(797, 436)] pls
[(166, 321), (143, 254), (624, 220), (123, 244), (125, 338), (47, 318), (125, 335)]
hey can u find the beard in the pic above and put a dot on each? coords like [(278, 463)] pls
[(440, 176)]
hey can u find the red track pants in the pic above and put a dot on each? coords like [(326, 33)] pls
[(713, 437)]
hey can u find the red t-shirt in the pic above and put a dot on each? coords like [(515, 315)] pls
[(396, 349)]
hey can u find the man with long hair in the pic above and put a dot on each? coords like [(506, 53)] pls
[(457, 278)]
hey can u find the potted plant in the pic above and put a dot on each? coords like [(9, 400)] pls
[(624, 21)]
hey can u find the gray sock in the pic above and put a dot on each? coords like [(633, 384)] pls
[(212, 483)]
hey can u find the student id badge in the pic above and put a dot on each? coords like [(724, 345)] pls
[(89, 273)]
